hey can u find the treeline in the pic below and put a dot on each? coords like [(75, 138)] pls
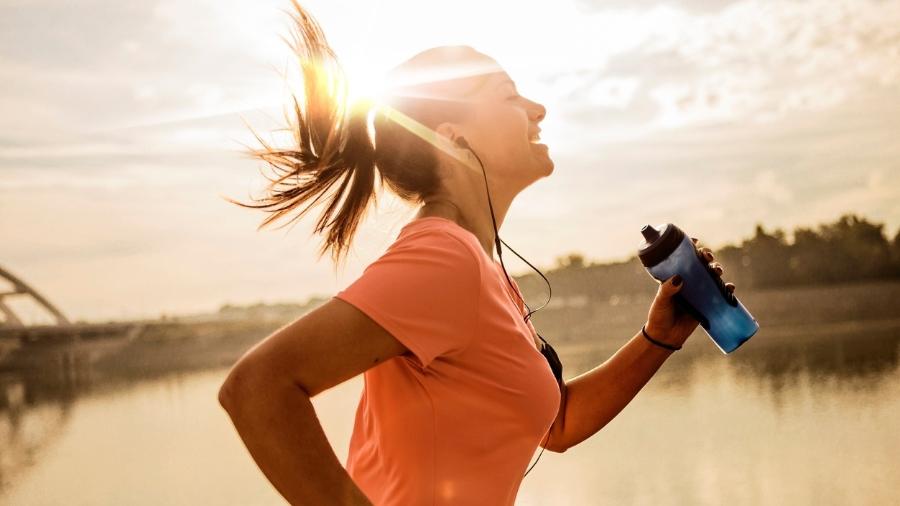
[(848, 250)]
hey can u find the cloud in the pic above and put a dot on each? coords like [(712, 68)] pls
[(693, 6), (614, 93), (751, 60), (769, 187), (118, 130)]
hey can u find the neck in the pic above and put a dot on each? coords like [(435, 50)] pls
[(476, 219)]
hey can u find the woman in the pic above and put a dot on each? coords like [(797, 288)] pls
[(459, 391)]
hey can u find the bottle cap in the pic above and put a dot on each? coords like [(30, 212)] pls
[(658, 243)]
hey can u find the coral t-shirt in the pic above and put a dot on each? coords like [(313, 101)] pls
[(458, 420)]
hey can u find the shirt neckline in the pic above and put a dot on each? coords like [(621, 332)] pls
[(495, 262), (423, 218), (447, 220), (456, 225)]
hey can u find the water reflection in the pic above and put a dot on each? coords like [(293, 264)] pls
[(728, 437), (25, 427), (810, 419), (862, 351)]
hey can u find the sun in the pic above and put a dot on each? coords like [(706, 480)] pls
[(365, 83), (368, 86)]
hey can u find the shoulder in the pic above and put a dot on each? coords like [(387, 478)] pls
[(440, 241)]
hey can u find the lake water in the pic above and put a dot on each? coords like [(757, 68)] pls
[(813, 420)]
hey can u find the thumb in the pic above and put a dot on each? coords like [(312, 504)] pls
[(671, 286)]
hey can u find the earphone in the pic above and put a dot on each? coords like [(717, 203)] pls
[(546, 350)]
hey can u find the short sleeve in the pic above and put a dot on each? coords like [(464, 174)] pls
[(425, 291)]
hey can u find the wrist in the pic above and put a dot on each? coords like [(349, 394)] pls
[(658, 339)]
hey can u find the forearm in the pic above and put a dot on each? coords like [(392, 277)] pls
[(597, 396), (279, 427)]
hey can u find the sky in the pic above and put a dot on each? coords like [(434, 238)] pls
[(123, 126)]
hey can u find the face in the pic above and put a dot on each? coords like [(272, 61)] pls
[(501, 131)]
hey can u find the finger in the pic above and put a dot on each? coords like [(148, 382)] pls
[(717, 267), (708, 254), (672, 285), (730, 287)]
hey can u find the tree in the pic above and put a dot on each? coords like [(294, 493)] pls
[(856, 249), (767, 258), (895, 254), (570, 261)]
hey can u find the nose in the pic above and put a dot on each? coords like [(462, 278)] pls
[(536, 111)]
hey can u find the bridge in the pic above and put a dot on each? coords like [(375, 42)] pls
[(22, 288), (63, 342)]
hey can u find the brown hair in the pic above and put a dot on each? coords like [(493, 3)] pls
[(332, 143)]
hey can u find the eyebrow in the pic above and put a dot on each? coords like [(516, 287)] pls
[(507, 80)]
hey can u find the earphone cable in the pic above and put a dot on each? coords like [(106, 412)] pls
[(497, 242)]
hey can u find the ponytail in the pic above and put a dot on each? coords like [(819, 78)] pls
[(331, 143), (331, 146)]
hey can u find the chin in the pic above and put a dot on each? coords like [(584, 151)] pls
[(548, 167)]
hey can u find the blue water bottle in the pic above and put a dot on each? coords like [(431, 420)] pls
[(667, 251)]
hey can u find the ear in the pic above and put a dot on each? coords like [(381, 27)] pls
[(447, 133)]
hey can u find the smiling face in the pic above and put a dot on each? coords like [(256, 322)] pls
[(458, 91), (504, 131)]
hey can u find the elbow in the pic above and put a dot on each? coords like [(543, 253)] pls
[(558, 448), (236, 384), (247, 381), (225, 395), (555, 448), (555, 443)]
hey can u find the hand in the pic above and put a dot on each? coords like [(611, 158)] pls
[(666, 321)]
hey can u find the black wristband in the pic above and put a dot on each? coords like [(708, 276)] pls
[(658, 343)]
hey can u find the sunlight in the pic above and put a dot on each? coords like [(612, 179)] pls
[(365, 82), (370, 86)]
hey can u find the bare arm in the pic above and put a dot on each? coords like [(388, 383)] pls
[(267, 395), (592, 399)]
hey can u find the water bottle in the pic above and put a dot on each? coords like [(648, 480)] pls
[(666, 251)]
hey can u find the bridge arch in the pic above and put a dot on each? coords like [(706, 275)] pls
[(22, 288)]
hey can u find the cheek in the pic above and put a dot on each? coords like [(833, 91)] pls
[(511, 133), (506, 133), (496, 143), (505, 124)]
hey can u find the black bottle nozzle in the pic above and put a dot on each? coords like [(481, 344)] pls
[(659, 243), (650, 234)]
